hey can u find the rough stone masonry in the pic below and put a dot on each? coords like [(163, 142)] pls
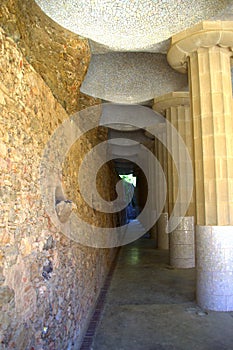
[(48, 284)]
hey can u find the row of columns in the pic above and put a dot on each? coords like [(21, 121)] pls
[(176, 108), (204, 121)]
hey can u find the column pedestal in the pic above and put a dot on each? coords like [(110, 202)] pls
[(182, 244), (215, 267)]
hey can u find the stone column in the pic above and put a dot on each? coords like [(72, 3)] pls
[(162, 234), (153, 230), (205, 50), (163, 238), (175, 106), (150, 200)]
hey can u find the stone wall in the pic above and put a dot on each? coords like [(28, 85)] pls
[(48, 284), (105, 180), (59, 56)]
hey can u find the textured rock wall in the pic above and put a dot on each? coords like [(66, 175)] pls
[(48, 284), (105, 180), (59, 56)]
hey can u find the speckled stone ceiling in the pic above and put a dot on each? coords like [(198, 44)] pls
[(128, 117), (131, 77), (121, 25)]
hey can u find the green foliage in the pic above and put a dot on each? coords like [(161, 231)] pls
[(129, 178)]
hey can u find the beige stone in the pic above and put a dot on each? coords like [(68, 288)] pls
[(33, 253), (205, 34), (25, 247), (175, 106), (58, 55), (205, 48)]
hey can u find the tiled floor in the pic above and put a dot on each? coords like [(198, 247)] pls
[(150, 306)]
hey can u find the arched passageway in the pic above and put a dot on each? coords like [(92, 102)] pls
[(126, 99)]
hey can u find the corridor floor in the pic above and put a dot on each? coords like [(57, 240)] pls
[(150, 306)]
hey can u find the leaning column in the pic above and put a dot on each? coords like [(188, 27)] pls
[(176, 108), (205, 51)]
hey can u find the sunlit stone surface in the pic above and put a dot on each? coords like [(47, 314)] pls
[(121, 25), (131, 77)]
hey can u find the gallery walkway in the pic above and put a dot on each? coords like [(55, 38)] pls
[(150, 306)]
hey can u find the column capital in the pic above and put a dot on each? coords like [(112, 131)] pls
[(173, 99), (205, 34)]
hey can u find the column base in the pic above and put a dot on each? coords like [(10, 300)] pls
[(163, 238), (214, 249), (182, 244)]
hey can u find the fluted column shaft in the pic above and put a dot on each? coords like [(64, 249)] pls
[(175, 106), (205, 50), (152, 171), (211, 95), (160, 151)]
